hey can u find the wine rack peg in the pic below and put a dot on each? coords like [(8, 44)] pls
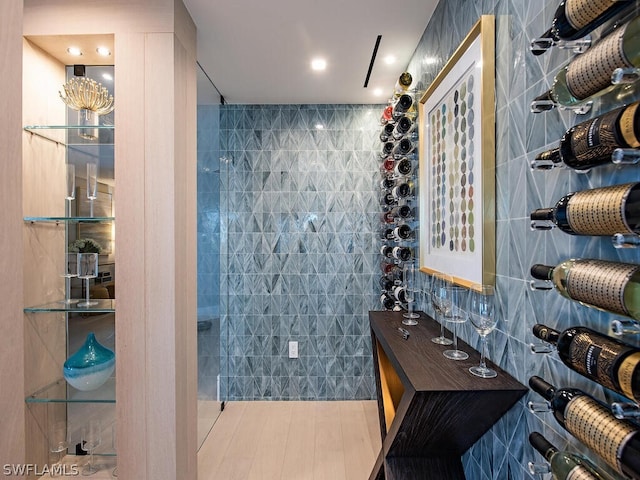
[(625, 240), (544, 105), (542, 44), (537, 284), (625, 410), (625, 156), (625, 75), (538, 468), (542, 347), (621, 327), (539, 407)]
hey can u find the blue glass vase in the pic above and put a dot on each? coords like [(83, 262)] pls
[(90, 366)]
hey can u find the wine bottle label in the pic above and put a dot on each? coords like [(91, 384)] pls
[(625, 374), (627, 125), (581, 13), (595, 138), (597, 428), (600, 283), (599, 211), (591, 72), (595, 356), (580, 473)]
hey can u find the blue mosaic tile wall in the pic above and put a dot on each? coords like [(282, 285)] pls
[(299, 250), (504, 452)]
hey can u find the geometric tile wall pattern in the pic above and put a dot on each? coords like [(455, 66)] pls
[(299, 217), (504, 451)]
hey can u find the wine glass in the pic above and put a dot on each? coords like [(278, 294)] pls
[(58, 439), (70, 271), (409, 277), (453, 312), (482, 313), (91, 439), (71, 186), (439, 282), (92, 184), (87, 269)]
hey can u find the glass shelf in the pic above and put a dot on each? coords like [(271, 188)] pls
[(52, 393), (69, 219), (103, 306), (41, 131)]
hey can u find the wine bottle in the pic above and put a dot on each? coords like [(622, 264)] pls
[(387, 234), (564, 465), (402, 106), (598, 211), (387, 267), (386, 284), (403, 254), (403, 212), (387, 148), (402, 84), (403, 232), (403, 189), (388, 166), (387, 115), (574, 19), (387, 182), (387, 217), (608, 286), (589, 74), (386, 251), (396, 275), (387, 132), (403, 127), (403, 147), (591, 143), (611, 363), (387, 200), (399, 293), (403, 167), (387, 302), (616, 441)]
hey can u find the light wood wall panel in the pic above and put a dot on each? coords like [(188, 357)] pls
[(12, 407)]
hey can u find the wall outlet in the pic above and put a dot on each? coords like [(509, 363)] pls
[(293, 349)]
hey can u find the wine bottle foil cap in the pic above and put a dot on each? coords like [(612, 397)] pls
[(539, 385), (542, 214), (545, 333), (541, 272), (541, 444)]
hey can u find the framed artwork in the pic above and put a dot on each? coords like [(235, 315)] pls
[(457, 163)]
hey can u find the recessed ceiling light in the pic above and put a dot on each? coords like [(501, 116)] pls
[(107, 76), (377, 92), (319, 126), (318, 64), (389, 59), (430, 60), (104, 51), (75, 51)]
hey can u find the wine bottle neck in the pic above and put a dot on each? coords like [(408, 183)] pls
[(542, 445), (542, 214), (542, 387), (545, 333), (541, 272)]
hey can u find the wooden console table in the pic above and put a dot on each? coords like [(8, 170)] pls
[(431, 409)]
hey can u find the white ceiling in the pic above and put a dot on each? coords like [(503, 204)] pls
[(259, 52)]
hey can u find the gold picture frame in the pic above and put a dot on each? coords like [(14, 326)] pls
[(457, 163)]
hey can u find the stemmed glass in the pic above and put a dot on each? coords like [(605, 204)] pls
[(453, 312), (114, 442), (439, 282), (92, 184), (409, 277), (70, 271), (71, 186), (58, 439), (482, 314), (91, 439), (87, 269)]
